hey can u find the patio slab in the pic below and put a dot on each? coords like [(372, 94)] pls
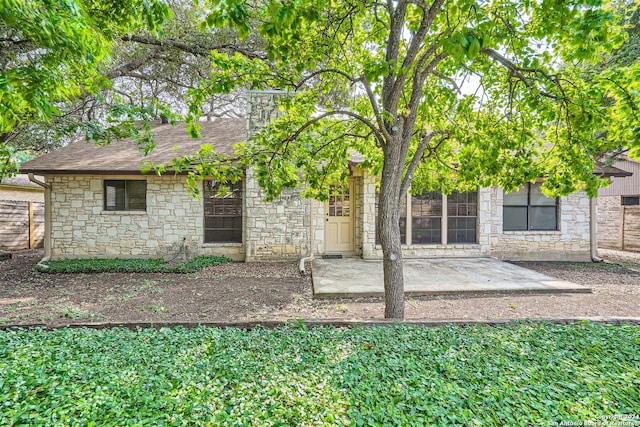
[(354, 277)]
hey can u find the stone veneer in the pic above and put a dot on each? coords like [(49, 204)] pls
[(281, 229), (81, 228), (570, 243)]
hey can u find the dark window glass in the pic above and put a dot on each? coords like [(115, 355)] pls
[(462, 217), (125, 195), (222, 212), (630, 200), (426, 218), (529, 209), (515, 217)]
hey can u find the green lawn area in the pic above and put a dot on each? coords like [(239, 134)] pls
[(520, 374)]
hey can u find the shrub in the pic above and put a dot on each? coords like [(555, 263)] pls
[(153, 265)]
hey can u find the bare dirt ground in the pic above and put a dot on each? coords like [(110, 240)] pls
[(276, 291)]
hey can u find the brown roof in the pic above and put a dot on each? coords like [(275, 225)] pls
[(609, 171), (124, 158)]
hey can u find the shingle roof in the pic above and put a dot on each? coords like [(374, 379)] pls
[(609, 171), (124, 158)]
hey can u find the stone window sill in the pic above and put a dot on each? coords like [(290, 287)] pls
[(123, 213), (222, 244), (533, 232)]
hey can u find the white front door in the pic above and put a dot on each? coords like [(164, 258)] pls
[(339, 220)]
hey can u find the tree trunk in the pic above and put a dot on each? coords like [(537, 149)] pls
[(388, 227)]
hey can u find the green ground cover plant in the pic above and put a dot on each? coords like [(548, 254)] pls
[(153, 265), (521, 374)]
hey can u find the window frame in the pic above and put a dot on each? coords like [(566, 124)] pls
[(530, 207), (635, 200), (211, 196), (469, 206), (127, 198), (441, 215)]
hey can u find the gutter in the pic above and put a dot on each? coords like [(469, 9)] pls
[(593, 236), (310, 256), (47, 219)]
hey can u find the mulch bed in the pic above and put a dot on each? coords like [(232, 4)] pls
[(239, 294)]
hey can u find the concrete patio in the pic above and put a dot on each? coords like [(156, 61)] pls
[(354, 277)]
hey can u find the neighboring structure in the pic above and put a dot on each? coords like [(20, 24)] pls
[(21, 214), (619, 210), (102, 206)]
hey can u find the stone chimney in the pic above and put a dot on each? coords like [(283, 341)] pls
[(262, 108)]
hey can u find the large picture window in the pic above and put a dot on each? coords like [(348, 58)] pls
[(527, 209), (125, 195), (222, 213), (431, 211)]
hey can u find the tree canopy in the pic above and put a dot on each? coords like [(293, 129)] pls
[(447, 95), (56, 50)]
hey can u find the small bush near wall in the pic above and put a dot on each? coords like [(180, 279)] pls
[(155, 265)]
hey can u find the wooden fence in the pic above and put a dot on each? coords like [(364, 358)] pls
[(21, 225)]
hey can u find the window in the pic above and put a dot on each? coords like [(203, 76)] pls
[(429, 214), (222, 213), (527, 209), (426, 217), (125, 195), (339, 204), (462, 217), (630, 200)]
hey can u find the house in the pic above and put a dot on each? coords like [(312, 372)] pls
[(619, 210), (21, 214), (101, 205)]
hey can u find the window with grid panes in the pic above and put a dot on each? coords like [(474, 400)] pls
[(426, 217), (222, 212), (462, 217)]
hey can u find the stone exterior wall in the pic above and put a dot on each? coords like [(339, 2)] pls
[(610, 222), (570, 243), (289, 227), (280, 229), (81, 228)]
